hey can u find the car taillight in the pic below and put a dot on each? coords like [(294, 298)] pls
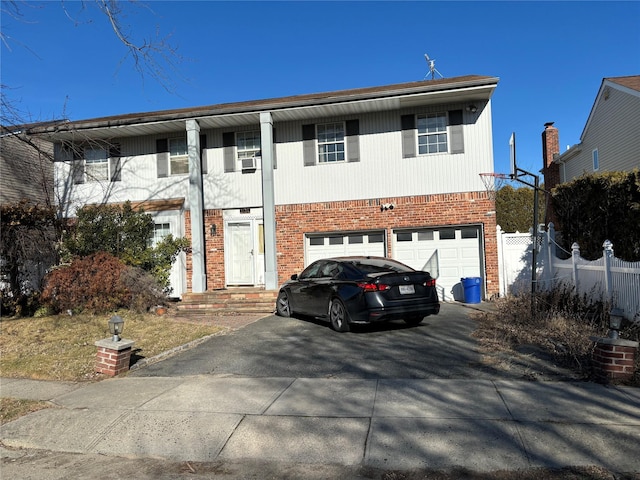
[(430, 283), (373, 287)]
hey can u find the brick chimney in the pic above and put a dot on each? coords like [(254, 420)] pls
[(550, 170), (550, 150), (550, 144)]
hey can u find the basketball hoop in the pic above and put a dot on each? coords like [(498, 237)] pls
[(493, 182)]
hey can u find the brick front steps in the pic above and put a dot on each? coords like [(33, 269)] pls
[(232, 300)]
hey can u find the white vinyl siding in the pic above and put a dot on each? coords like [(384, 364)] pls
[(612, 129), (380, 172)]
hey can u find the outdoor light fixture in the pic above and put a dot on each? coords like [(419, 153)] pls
[(615, 322), (116, 325), (472, 108), (213, 229)]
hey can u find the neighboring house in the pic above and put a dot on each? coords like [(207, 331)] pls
[(262, 188), (26, 167), (610, 140)]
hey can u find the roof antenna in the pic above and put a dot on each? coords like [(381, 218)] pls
[(432, 68)]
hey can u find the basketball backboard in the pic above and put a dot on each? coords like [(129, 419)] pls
[(512, 155)]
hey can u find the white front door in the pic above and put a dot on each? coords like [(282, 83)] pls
[(244, 252), (240, 261)]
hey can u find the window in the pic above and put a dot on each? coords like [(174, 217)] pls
[(447, 234), (248, 144), (331, 142), (178, 156), (160, 230), (432, 133), (404, 236), (596, 160), (96, 164)]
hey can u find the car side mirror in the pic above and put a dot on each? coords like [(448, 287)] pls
[(294, 276)]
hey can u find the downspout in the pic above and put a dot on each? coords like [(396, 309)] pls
[(268, 202), (196, 206)]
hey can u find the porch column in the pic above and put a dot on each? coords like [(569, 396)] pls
[(196, 206), (268, 202)]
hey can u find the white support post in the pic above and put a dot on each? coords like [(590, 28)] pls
[(575, 255), (268, 202), (196, 207), (607, 255)]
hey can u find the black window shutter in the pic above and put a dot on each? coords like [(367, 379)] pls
[(77, 152), (203, 153), (162, 157), (408, 123), (229, 153), (309, 144), (353, 140), (456, 131), (275, 160), (114, 163)]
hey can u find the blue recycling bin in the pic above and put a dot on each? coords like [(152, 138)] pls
[(471, 288)]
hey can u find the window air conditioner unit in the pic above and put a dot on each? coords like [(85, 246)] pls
[(249, 163)]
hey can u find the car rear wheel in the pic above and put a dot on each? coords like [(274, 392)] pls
[(413, 321), (338, 316), (283, 307)]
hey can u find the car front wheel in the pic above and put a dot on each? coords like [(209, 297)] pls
[(338, 316), (283, 307)]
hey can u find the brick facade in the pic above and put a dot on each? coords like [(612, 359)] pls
[(294, 221)]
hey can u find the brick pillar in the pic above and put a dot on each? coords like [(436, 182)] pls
[(113, 358), (613, 359)]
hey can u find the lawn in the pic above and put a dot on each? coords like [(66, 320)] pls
[(62, 347)]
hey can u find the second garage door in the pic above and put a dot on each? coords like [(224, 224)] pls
[(449, 254)]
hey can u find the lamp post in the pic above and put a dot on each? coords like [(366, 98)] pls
[(116, 325), (615, 322)]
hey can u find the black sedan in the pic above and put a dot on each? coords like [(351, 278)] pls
[(359, 290)]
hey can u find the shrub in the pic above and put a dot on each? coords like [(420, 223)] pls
[(89, 283), (100, 283)]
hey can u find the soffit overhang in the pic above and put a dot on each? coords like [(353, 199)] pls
[(287, 109)]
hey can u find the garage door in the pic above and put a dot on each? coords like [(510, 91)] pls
[(449, 254), (338, 245)]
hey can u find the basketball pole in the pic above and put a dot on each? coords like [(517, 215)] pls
[(516, 174)]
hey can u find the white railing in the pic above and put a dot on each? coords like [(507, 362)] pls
[(609, 278)]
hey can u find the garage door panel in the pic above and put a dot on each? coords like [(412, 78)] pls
[(332, 245), (458, 250)]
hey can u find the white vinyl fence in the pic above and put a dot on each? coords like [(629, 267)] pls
[(608, 278)]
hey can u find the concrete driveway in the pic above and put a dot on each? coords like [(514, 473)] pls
[(441, 347)]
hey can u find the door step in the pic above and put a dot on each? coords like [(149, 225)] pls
[(233, 300)]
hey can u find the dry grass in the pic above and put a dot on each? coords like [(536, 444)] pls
[(63, 347), (562, 327), (11, 408)]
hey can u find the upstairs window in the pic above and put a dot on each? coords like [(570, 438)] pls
[(331, 142), (596, 160), (96, 167), (248, 148), (432, 133), (178, 156)]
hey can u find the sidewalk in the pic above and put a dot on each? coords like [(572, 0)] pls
[(482, 425)]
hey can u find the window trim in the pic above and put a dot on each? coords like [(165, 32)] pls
[(173, 158), (342, 142), (96, 164), (426, 134)]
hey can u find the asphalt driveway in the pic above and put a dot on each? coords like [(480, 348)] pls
[(441, 347)]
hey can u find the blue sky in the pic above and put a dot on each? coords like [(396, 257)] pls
[(550, 56)]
